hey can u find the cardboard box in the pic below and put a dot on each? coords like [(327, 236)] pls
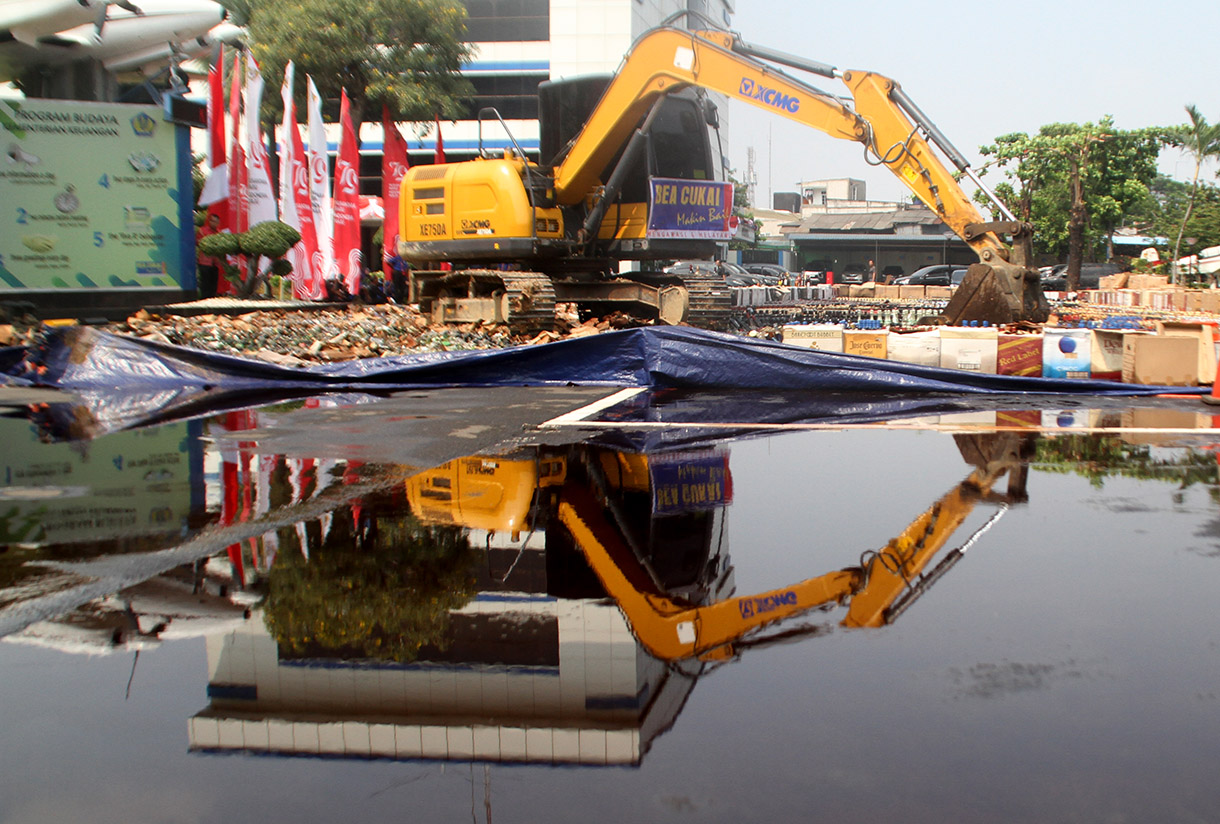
[(1019, 355), (1020, 418), (1116, 281), (911, 293), (1194, 300), (1145, 418), (1147, 281), (1065, 418), (1160, 360), (938, 292), (969, 349), (865, 291), (984, 419), (887, 292), (1065, 353), (1205, 334), (863, 342), (1106, 357), (1210, 301), (827, 337), (921, 348)]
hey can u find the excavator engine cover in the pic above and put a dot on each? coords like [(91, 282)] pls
[(997, 294)]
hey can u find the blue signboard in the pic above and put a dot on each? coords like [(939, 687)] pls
[(689, 209), (690, 482)]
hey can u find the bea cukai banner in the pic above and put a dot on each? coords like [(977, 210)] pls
[(689, 209)]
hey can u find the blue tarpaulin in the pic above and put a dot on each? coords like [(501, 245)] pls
[(81, 358)]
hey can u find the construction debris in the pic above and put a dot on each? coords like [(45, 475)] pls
[(297, 338)]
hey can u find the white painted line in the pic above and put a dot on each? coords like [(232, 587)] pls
[(897, 425), (578, 415)]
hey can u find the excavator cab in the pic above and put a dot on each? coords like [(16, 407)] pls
[(679, 146)]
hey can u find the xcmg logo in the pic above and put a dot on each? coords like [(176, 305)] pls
[(772, 97)]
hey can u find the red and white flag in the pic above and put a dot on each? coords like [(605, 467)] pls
[(261, 196), (288, 121), (319, 183), (215, 192), (394, 165), (239, 213), (295, 208), (312, 282), (439, 157), (347, 201)]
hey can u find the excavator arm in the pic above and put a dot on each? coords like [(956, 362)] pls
[(669, 630), (1001, 288)]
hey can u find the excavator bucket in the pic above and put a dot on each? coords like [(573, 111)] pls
[(997, 294)]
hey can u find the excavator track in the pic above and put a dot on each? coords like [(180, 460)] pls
[(523, 300), (709, 300), (531, 300)]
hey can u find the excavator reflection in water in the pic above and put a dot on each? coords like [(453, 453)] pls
[(651, 528), (536, 669)]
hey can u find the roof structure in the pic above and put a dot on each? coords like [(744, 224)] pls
[(909, 220)]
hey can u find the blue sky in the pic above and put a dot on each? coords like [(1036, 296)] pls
[(980, 74)]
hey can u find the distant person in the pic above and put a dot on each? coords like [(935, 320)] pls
[(207, 266), (397, 287), (872, 272)]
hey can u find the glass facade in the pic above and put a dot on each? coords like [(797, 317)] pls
[(497, 21), (515, 96)]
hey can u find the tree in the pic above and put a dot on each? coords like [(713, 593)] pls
[(741, 210), (1074, 183), (1201, 141), (270, 239), (384, 593), (1163, 214), (406, 54)]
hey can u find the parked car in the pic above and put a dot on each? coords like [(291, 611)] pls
[(767, 270), (850, 278), (685, 267), (733, 274), (940, 274), (742, 273), (1090, 276), (891, 272)]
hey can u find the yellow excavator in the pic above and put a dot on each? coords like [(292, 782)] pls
[(633, 177), (667, 571)]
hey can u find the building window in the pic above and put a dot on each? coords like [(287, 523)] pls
[(499, 21), (514, 96)]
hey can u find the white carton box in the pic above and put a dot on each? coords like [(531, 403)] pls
[(969, 349), (827, 337), (921, 348), (1066, 353)]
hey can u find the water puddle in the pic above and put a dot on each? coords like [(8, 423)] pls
[(727, 605)]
